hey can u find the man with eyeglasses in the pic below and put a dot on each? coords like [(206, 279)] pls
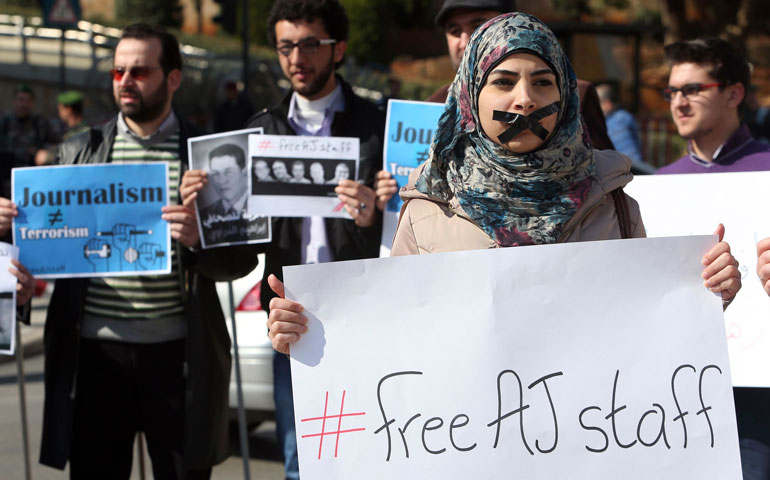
[(310, 37), (707, 85), (140, 353)]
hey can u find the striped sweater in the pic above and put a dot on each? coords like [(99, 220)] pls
[(139, 309)]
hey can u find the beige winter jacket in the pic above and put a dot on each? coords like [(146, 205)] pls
[(428, 225)]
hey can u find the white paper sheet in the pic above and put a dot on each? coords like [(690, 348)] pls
[(694, 205), (7, 300), (446, 345), (302, 193)]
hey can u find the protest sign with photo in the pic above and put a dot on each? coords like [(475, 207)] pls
[(295, 176), (694, 204), (7, 300), (409, 131), (581, 360), (92, 220), (222, 206)]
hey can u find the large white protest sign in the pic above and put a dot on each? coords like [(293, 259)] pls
[(295, 176), (7, 299), (695, 204), (596, 360)]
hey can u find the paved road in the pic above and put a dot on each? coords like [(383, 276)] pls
[(263, 463)]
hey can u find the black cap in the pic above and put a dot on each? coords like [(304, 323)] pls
[(502, 6)]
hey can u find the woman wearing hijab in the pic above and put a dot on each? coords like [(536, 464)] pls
[(495, 176), (511, 165)]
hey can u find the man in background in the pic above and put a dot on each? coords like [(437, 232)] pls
[(621, 125), (234, 111), (70, 107), (24, 136)]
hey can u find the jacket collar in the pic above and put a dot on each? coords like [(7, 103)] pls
[(351, 100)]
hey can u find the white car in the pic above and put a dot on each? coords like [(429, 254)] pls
[(256, 352)]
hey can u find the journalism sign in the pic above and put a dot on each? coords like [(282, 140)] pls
[(92, 220)]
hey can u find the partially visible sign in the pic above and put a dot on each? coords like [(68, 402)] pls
[(63, 14), (7, 300), (92, 220), (409, 130), (592, 360), (694, 204)]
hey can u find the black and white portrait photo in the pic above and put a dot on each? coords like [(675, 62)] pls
[(223, 204)]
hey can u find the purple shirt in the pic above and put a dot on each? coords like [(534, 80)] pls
[(740, 153)]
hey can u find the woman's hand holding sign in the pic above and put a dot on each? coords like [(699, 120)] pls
[(721, 274), (763, 263), (286, 323)]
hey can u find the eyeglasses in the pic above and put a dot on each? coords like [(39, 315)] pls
[(306, 46), (689, 90), (137, 73)]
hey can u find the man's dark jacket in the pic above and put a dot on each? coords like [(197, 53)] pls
[(347, 241), (208, 343)]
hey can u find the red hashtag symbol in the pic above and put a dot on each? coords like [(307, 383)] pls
[(264, 145), (339, 430)]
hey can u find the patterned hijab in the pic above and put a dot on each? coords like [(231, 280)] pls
[(517, 199)]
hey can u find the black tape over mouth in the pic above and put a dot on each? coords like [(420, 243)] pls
[(518, 123)]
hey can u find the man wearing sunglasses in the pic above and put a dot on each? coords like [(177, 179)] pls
[(141, 353), (310, 37), (706, 87)]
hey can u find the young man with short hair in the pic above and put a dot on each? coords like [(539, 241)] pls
[(310, 37), (707, 85), (708, 82)]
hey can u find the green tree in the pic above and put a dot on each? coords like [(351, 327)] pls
[(166, 13), (372, 23), (734, 19)]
